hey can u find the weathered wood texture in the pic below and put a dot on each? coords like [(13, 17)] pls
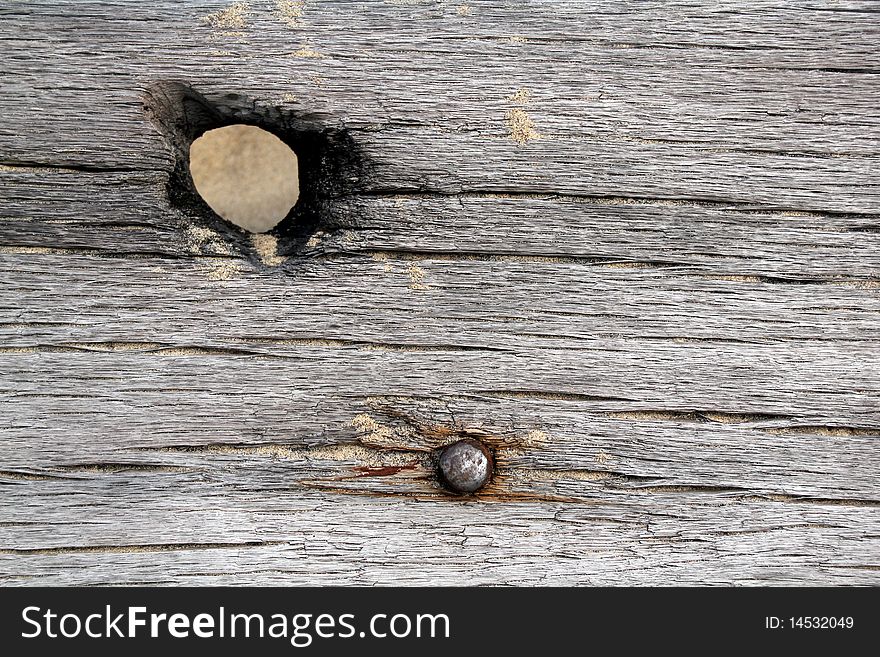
[(635, 246)]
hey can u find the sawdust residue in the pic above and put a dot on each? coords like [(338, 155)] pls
[(290, 12), (520, 96), (547, 474), (308, 53), (627, 265), (231, 20), (416, 277), (340, 453), (463, 10), (535, 438), (374, 433), (22, 250), (266, 248), (201, 240), (223, 270), (738, 278), (520, 127), (830, 431), (381, 256), (364, 456), (115, 346), (861, 285)]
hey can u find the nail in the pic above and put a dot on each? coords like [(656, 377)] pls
[(465, 466)]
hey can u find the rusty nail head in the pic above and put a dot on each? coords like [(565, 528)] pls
[(465, 466)]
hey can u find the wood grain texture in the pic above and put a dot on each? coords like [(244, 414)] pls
[(634, 247)]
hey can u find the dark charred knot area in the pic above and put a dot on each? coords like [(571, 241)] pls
[(465, 466), (330, 163)]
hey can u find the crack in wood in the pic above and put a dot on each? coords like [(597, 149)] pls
[(408, 193), (465, 256), (159, 349), (21, 475), (113, 468), (551, 395), (721, 417), (806, 499), (138, 548)]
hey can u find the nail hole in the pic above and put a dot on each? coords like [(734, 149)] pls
[(329, 164), (246, 175)]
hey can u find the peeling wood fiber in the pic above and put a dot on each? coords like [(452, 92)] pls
[(635, 249)]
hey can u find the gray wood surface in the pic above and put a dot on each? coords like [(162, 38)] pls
[(635, 247)]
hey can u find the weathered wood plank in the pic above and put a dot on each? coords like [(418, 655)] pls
[(632, 247)]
